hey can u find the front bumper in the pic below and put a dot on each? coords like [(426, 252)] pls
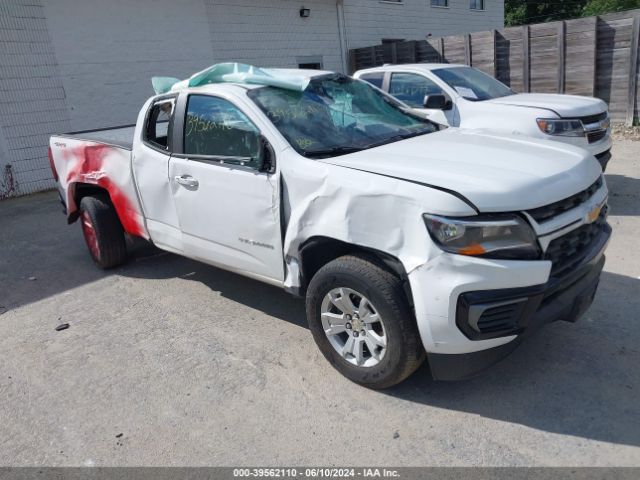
[(519, 298), (600, 148), (546, 304)]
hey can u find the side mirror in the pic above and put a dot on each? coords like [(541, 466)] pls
[(267, 156), (436, 102)]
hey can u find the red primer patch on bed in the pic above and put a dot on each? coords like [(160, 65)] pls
[(90, 170), (124, 207)]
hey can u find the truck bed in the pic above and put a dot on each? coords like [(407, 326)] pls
[(98, 160), (121, 136)]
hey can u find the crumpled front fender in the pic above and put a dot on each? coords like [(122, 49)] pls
[(360, 208)]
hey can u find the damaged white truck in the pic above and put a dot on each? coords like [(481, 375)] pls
[(409, 242)]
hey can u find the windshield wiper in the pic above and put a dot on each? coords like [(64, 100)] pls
[(330, 152), (397, 138), (343, 150)]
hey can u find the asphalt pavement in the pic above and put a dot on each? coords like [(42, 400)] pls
[(170, 362)]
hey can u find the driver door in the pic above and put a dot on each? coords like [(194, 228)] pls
[(227, 207)]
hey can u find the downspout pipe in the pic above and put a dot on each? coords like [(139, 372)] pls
[(342, 36)]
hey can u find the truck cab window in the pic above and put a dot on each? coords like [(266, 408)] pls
[(375, 79), (411, 88), (158, 124), (217, 128)]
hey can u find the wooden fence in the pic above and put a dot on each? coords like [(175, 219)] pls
[(595, 56)]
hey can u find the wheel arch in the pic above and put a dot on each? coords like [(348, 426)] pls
[(76, 192), (317, 251)]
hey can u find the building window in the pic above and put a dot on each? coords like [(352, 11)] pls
[(476, 4), (310, 66), (310, 62), (439, 3)]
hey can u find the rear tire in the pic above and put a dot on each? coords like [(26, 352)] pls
[(102, 232), (380, 314)]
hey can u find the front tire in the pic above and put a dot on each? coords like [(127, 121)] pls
[(361, 321), (102, 232)]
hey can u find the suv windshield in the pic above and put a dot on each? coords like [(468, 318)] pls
[(472, 84), (336, 115)]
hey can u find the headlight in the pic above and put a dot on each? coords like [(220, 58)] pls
[(564, 128), (504, 236)]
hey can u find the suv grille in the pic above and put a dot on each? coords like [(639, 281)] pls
[(596, 136), (542, 214), (567, 251), (593, 118)]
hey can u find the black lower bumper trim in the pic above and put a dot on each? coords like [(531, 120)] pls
[(604, 158), (566, 299), (486, 314)]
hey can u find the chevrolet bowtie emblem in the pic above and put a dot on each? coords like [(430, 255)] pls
[(593, 215)]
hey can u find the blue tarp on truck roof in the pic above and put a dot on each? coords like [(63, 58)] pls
[(234, 73)]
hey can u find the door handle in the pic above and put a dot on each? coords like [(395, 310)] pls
[(187, 181)]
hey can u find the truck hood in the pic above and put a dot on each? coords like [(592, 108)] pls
[(495, 173), (567, 106)]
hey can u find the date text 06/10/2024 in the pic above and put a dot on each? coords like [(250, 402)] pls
[(316, 473)]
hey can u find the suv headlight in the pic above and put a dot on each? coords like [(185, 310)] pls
[(563, 128), (491, 236)]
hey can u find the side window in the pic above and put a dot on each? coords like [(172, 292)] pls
[(156, 132), (373, 78), (217, 128), (411, 88)]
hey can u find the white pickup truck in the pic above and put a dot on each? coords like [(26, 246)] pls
[(461, 96), (408, 241)]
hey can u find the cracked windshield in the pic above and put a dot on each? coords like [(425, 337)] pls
[(336, 115)]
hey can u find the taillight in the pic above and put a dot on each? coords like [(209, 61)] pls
[(53, 165)]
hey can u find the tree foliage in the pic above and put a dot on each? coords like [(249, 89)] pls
[(522, 12), (598, 7)]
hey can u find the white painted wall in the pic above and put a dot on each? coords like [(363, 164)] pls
[(81, 64), (271, 33), (368, 21), (107, 52)]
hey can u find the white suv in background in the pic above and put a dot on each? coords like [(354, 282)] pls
[(461, 96)]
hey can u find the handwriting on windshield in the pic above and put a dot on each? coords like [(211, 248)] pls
[(304, 143), (294, 112)]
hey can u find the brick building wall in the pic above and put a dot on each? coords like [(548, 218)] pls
[(32, 97)]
